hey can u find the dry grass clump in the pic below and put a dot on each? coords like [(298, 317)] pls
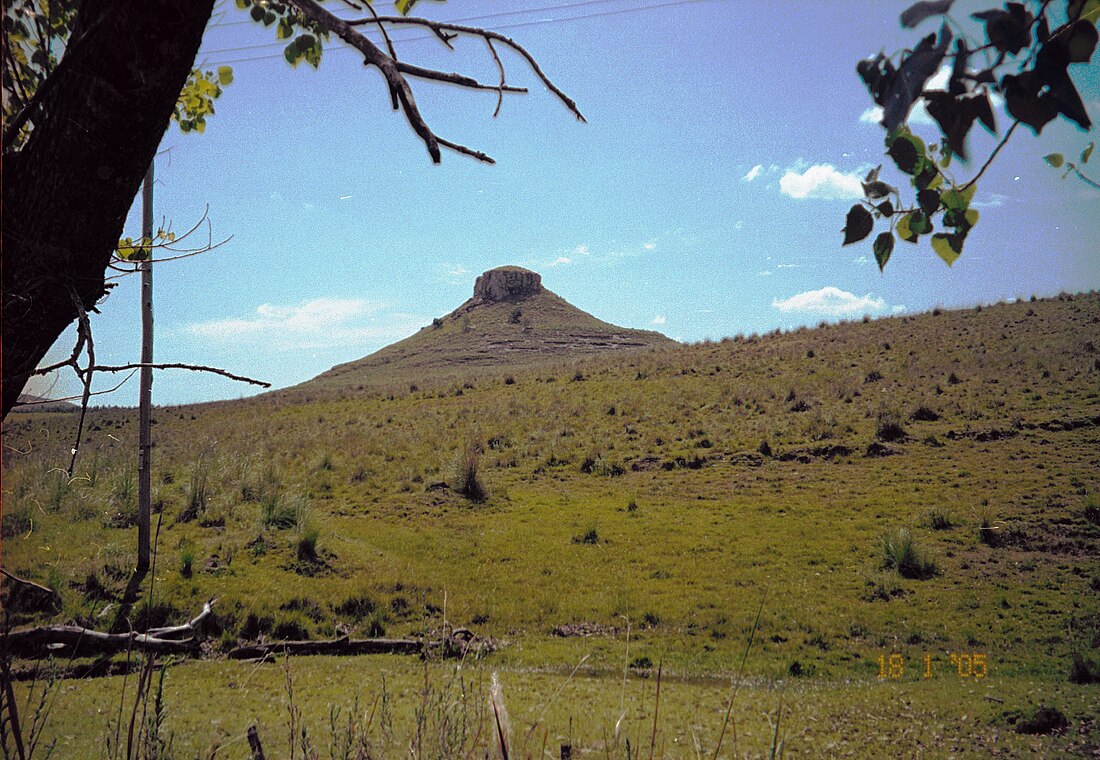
[(466, 479), (901, 552)]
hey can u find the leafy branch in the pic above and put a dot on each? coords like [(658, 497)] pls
[(1030, 71)]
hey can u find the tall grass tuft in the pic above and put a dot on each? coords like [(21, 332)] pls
[(279, 510), (308, 535), (901, 552), (195, 504), (467, 478)]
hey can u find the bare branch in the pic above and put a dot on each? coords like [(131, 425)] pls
[(176, 365), (85, 375), (389, 46), (393, 70), (29, 584), (74, 398), (440, 26), (467, 151), (992, 155), (500, 68), (460, 79)]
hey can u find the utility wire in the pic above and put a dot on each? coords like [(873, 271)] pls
[(515, 25), (462, 20)]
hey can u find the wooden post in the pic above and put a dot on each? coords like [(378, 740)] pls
[(145, 393), (254, 743), (567, 752)]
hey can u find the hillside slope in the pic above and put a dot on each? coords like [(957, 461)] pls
[(666, 488), (510, 321)]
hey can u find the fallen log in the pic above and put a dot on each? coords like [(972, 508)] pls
[(86, 641), (459, 643), (342, 646)]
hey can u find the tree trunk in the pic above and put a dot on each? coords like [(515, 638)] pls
[(66, 193)]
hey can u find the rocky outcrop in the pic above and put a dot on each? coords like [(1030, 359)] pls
[(506, 284)]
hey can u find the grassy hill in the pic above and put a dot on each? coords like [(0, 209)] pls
[(922, 486), (511, 321)]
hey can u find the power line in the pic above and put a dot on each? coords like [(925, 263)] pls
[(462, 20), (334, 48), (521, 11)]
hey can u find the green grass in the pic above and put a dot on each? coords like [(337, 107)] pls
[(401, 702), (692, 518)]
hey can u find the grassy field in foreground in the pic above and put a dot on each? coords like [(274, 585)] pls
[(408, 709), (914, 486)]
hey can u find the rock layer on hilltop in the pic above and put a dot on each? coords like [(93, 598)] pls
[(506, 284), (510, 321)]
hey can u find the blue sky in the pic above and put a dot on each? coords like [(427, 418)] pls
[(703, 198)]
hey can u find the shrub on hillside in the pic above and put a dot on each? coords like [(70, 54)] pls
[(901, 552), (1084, 669), (888, 425), (940, 519), (466, 479)]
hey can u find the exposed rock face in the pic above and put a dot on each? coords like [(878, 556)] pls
[(506, 284)]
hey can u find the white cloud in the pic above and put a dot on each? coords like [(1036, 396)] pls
[(649, 246), (660, 319), (989, 200), (786, 266), (753, 173), (861, 260), (560, 260), (830, 301), (821, 182), (581, 250), (318, 323), (764, 273), (898, 308)]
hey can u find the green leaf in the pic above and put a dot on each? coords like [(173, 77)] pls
[(905, 155), (858, 224), (290, 52), (404, 6), (1089, 10), (948, 247), (884, 246), (225, 75), (1086, 153), (285, 30), (919, 223), (257, 13), (902, 230), (972, 217), (886, 208), (1054, 159), (968, 192), (955, 199), (929, 201), (242, 4)]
